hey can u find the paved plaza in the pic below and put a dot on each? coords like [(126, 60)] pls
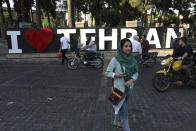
[(43, 95), (38, 95)]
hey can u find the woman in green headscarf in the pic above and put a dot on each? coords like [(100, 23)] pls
[(123, 81)]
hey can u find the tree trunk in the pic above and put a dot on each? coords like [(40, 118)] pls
[(97, 12), (151, 17), (2, 14), (3, 25), (22, 10), (163, 18), (92, 20), (31, 15), (85, 17), (48, 14), (38, 14), (145, 14), (69, 11), (179, 20), (9, 11), (73, 11), (121, 19), (145, 19), (97, 23)]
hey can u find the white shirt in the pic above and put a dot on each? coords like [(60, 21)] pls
[(136, 47), (64, 41), (92, 47)]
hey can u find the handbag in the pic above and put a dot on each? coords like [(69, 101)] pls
[(59, 55), (116, 95)]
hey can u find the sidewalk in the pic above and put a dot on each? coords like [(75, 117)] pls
[(3, 51)]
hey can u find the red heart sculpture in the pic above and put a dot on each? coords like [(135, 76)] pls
[(39, 39)]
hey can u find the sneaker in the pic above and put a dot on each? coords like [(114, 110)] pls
[(85, 62)]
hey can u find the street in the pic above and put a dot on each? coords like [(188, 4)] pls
[(38, 95)]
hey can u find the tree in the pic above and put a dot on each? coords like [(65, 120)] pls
[(115, 13), (142, 6), (183, 6), (9, 11), (2, 14), (38, 13), (94, 7), (49, 8), (164, 7), (110, 17), (22, 10), (70, 10), (22, 7)]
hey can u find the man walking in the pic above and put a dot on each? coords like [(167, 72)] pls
[(136, 48), (63, 47)]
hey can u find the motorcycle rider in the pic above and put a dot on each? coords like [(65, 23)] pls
[(184, 52), (175, 42), (91, 49)]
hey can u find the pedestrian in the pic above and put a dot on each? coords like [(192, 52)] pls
[(145, 45), (137, 51), (136, 48), (123, 81), (63, 47)]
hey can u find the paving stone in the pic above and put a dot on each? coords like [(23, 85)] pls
[(46, 96)]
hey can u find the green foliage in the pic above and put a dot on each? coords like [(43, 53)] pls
[(49, 6), (135, 3), (110, 17), (54, 22), (114, 12), (79, 17), (170, 19), (6, 15)]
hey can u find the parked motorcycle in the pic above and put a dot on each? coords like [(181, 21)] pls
[(172, 74), (95, 60), (150, 59)]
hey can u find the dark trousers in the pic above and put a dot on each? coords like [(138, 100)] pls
[(187, 70), (88, 54), (64, 51)]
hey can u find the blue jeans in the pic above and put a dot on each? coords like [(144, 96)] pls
[(123, 113)]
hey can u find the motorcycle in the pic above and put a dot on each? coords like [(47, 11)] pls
[(95, 60), (172, 74), (150, 59)]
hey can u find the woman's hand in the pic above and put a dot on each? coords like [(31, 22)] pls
[(128, 83), (120, 75)]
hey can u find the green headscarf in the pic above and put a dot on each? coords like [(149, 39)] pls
[(128, 62)]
